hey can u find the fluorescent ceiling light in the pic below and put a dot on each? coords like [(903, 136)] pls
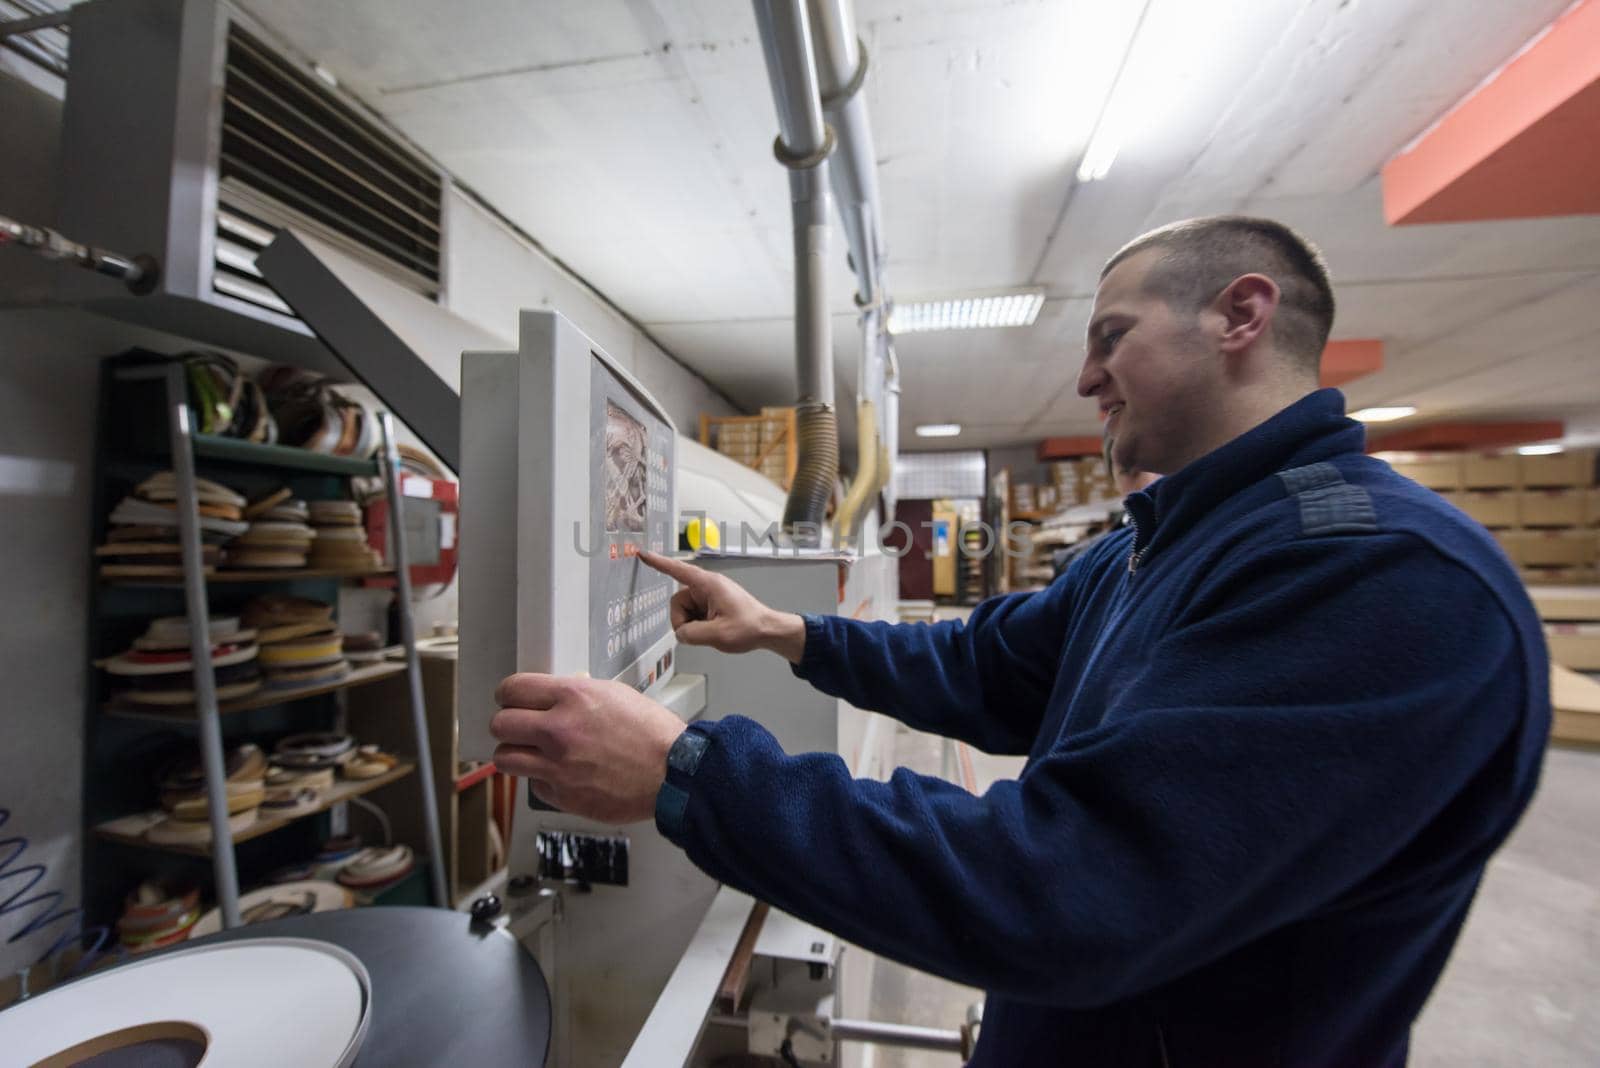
[(1175, 44), (1384, 415), (1019, 308), (1539, 450), (938, 430)]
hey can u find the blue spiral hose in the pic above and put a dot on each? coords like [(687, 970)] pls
[(45, 906)]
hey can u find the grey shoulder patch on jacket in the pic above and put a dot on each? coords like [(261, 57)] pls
[(1329, 504)]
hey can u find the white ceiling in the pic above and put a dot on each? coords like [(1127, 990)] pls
[(633, 138)]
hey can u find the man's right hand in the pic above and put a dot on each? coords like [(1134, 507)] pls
[(716, 611)]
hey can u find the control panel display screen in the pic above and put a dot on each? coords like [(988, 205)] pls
[(631, 457), (627, 472)]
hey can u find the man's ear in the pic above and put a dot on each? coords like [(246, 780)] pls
[(1247, 306)]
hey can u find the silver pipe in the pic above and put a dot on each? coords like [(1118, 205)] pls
[(841, 72), (873, 1031), (891, 420), (141, 273), (842, 64), (408, 638), (893, 1034), (791, 68), (813, 329), (803, 145), (205, 683)]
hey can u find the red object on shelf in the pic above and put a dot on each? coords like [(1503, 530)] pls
[(475, 776), (448, 494)]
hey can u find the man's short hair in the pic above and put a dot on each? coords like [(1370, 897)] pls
[(1200, 257)]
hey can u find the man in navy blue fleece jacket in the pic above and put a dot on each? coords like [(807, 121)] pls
[(1274, 730)]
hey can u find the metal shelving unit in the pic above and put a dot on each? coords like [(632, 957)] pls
[(222, 576), (264, 698), (129, 830), (183, 446)]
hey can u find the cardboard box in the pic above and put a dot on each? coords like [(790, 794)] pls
[(1552, 508), (1437, 472), (1574, 645), (1566, 603), (1573, 468), (1576, 703), (1558, 576), (1591, 508), (1065, 473), (1490, 470), (1548, 548), (1492, 508)]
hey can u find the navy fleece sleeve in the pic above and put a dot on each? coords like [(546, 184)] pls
[(1285, 741), (984, 681)]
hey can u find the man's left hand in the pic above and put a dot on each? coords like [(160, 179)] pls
[(594, 749)]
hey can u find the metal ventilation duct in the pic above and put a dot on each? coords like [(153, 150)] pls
[(185, 136), (289, 140)]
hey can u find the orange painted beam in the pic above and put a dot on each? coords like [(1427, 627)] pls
[(1345, 360), (1465, 436), (1067, 448), (1523, 145)]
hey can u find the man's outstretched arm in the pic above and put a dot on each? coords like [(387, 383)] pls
[(985, 680)]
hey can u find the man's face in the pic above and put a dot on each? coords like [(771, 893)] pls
[(1151, 369)]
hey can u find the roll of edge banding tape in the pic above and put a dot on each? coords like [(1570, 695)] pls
[(257, 1002)]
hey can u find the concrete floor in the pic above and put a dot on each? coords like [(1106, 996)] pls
[(1523, 986)]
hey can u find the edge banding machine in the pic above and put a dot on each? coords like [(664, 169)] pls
[(569, 470)]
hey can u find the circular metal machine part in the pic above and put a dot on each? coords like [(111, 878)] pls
[(442, 991), (433, 989), (213, 1003)]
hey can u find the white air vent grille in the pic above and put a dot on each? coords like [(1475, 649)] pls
[(289, 144), (46, 47), (240, 239)]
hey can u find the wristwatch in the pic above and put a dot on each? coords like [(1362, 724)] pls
[(683, 760)]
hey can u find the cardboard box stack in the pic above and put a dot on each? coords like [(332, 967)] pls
[(1024, 498), (775, 446), (740, 441), (1575, 700), (1080, 481), (1543, 510), (1571, 616), (763, 442)]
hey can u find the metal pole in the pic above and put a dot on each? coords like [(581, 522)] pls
[(872, 1031), (408, 637), (804, 142), (141, 273), (841, 71), (893, 1034), (792, 72), (205, 683)]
